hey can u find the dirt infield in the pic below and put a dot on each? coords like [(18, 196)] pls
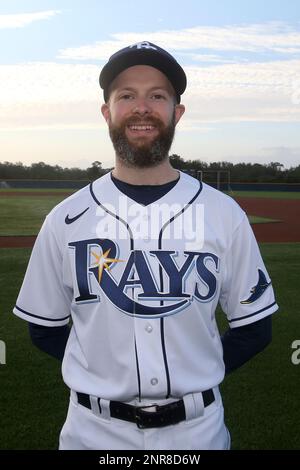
[(285, 210), (25, 241)]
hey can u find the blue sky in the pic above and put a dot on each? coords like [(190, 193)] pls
[(242, 60)]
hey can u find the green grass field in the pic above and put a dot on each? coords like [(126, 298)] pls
[(266, 194), (37, 190), (261, 398), (256, 194), (33, 398), (255, 219), (24, 215)]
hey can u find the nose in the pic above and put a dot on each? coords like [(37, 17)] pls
[(141, 107)]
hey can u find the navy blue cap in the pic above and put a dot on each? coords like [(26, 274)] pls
[(143, 53)]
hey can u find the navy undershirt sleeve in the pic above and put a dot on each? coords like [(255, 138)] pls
[(241, 344), (50, 339)]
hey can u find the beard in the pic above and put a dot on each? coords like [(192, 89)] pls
[(143, 154)]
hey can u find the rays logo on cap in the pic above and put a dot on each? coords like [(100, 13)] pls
[(143, 45)]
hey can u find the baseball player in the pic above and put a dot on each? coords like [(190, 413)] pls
[(139, 260)]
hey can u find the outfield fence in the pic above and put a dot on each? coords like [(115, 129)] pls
[(222, 185)]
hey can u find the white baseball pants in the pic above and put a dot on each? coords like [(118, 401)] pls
[(85, 429)]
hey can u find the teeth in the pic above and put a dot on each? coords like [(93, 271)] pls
[(141, 128)]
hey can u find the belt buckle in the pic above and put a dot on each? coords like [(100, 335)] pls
[(139, 415)]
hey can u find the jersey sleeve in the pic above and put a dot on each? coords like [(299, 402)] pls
[(246, 294), (44, 299)]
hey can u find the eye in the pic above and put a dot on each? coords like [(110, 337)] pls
[(158, 97), (126, 96)]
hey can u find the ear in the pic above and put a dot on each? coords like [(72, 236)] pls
[(105, 111), (179, 110)]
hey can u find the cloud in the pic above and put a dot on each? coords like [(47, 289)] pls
[(211, 58), (21, 20), (244, 92), (49, 93), (48, 82), (277, 37), (99, 51)]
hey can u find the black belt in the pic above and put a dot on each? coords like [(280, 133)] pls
[(163, 415)]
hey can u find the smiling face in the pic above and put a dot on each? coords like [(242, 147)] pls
[(142, 114)]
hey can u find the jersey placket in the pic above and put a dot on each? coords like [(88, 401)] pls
[(148, 335)]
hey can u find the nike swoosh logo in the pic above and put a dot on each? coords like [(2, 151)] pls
[(70, 220)]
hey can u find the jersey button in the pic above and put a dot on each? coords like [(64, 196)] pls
[(149, 328), (154, 381)]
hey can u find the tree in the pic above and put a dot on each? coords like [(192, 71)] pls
[(275, 166), (177, 162), (95, 171)]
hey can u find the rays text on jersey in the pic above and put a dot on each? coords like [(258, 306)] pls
[(154, 283)]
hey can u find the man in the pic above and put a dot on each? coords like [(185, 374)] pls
[(139, 260)]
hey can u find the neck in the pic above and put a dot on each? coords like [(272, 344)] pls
[(160, 174)]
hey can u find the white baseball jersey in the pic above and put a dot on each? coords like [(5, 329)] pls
[(141, 284)]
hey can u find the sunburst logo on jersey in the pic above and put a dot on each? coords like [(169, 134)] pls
[(103, 262)]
